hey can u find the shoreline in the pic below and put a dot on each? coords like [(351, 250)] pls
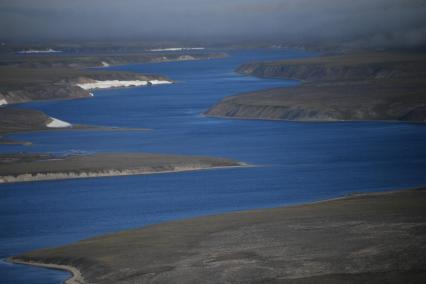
[(76, 276), (350, 87), (109, 173), (314, 121)]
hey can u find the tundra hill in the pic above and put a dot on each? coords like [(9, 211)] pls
[(369, 86)]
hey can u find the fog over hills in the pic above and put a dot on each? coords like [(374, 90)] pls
[(365, 23)]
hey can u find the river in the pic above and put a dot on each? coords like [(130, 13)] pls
[(295, 162)]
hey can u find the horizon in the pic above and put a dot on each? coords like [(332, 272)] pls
[(365, 24)]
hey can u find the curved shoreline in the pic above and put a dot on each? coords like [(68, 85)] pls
[(299, 219), (76, 277), (314, 121)]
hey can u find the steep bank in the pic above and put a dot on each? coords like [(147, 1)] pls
[(371, 86), (18, 85), (36, 167), (381, 100), (371, 238), (344, 67), (22, 120)]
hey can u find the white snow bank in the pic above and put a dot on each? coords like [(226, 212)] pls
[(3, 102), (49, 50), (117, 83), (177, 49), (56, 123), (159, 82)]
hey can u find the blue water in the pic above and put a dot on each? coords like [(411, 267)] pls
[(298, 162)]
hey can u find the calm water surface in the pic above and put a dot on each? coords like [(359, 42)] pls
[(298, 162)]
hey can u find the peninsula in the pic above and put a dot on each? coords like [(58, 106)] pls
[(37, 167), (359, 86), (18, 85)]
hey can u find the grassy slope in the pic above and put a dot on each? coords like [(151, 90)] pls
[(16, 120), (371, 86), (53, 76), (374, 238), (98, 59), (27, 84), (19, 164), (356, 66)]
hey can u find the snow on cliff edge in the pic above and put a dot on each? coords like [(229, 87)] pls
[(117, 84)]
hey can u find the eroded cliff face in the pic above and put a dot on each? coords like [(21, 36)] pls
[(373, 86), (65, 87), (341, 68), (383, 100), (232, 109), (322, 72), (312, 113), (27, 93)]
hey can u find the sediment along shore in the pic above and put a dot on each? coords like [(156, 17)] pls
[(365, 238), (38, 167), (360, 86)]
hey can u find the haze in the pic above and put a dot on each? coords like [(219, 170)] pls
[(362, 22)]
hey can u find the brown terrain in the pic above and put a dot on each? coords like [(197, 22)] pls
[(36, 167), (54, 76), (367, 238), (18, 85), (361, 86)]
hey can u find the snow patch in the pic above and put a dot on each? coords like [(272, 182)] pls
[(159, 82), (49, 50), (104, 64), (177, 49), (56, 123), (117, 84), (91, 94), (3, 102)]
